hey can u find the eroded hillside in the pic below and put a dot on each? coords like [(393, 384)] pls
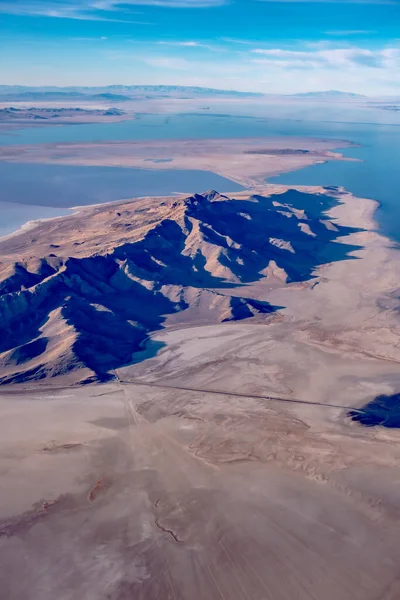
[(80, 295)]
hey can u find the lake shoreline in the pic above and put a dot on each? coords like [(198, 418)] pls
[(79, 169), (376, 144), (239, 422)]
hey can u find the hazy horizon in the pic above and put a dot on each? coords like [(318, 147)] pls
[(266, 46), (333, 93)]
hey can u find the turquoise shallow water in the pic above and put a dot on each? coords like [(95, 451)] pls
[(377, 176)]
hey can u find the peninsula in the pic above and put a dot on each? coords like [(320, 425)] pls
[(213, 430)]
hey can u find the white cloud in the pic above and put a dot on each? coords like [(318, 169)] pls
[(394, 2), (348, 32), (286, 64), (330, 58), (171, 63), (82, 10), (188, 44), (175, 3), (95, 9), (237, 41), (353, 69), (270, 70), (279, 53), (103, 38)]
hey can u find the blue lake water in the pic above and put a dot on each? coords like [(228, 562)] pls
[(377, 176), (31, 191), (68, 185), (147, 127), (14, 215)]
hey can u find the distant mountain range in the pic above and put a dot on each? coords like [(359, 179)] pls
[(123, 93), (111, 93), (329, 94)]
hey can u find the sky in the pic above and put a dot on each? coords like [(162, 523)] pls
[(269, 46)]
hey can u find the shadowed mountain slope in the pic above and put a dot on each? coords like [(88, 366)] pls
[(120, 271)]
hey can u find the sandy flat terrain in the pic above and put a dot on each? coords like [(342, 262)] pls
[(119, 492), (225, 467), (245, 161)]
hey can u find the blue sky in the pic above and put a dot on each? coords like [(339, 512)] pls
[(271, 46)]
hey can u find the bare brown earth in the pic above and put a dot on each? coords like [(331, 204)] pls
[(245, 161), (72, 290), (18, 115), (139, 492), (225, 467)]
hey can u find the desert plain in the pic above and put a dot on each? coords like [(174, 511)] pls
[(221, 461)]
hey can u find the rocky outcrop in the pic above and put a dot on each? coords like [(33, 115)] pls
[(90, 314)]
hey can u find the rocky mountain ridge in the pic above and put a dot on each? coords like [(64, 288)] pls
[(88, 311)]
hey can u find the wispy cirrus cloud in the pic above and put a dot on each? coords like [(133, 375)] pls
[(185, 44), (279, 70), (230, 40), (171, 63), (349, 32), (390, 2), (97, 10), (102, 38), (329, 58), (83, 10), (178, 3)]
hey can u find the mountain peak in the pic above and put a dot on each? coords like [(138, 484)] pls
[(80, 313)]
